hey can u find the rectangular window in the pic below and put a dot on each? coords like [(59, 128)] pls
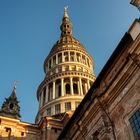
[(49, 112), (135, 124), (67, 106), (57, 108)]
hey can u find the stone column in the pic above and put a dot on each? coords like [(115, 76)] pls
[(86, 60), (75, 57), (62, 87), (51, 62), (86, 88), (81, 89), (68, 55), (62, 56), (56, 58), (53, 89), (81, 60), (46, 94), (88, 84), (41, 99), (71, 85)]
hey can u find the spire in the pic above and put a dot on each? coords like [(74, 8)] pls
[(66, 27), (10, 107), (65, 12), (13, 95)]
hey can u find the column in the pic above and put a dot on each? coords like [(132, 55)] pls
[(62, 107), (75, 57), (62, 87), (71, 85), (88, 84), (62, 56), (46, 94), (53, 89), (86, 60), (51, 62), (41, 99), (86, 88), (81, 89), (81, 60), (68, 55), (56, 58)]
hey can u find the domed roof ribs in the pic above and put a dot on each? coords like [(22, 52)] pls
[(66, 27)]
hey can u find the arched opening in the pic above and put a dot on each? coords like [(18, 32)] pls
[(60, 58), (44, 95), (83, 88), (59, 90), (66, 56), (50, 92), (67, 87), (135, 123), (75, 88)]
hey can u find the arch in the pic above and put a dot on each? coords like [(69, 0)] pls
[(75, 88), (50, 92), (60, 58), (58, 88), (67, 87), (135, 123), (44, 95)]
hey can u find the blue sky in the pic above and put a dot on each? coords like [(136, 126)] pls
[(29, 28)]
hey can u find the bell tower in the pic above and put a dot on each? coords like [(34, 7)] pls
[(68, 76), (10, 107)]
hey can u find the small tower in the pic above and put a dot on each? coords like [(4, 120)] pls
[(10, 107)]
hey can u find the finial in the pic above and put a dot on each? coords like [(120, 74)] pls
[(65, 11), (15, 84)]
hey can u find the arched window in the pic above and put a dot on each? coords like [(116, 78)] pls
[(75, 88), (59, 90), (44, 96), (83, 88), (50, 92), (67, 88), (60, 58), (135, 124)]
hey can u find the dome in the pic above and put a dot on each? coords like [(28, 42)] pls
[(68, 75)]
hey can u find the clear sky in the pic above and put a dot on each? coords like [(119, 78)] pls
[(29, 28)]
